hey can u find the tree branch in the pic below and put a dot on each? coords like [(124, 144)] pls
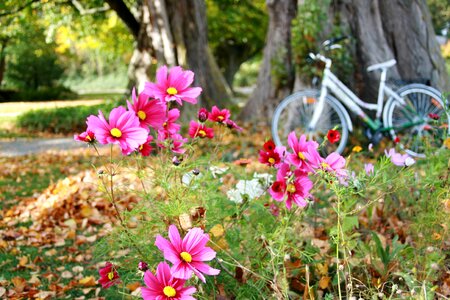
[(6, 13), (89, 11), (125, 14)]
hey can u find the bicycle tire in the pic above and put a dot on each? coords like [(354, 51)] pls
[(421, 100), (295, 112)]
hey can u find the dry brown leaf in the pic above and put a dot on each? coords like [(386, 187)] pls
[(45, 295), (19, 284), (23, 261), (87, 281), (77, 269), (324, 282), (66, 275), (133, 286), (2, 291), (51, 252), (217, 230)]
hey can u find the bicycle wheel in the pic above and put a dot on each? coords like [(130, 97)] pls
[(294, 113), (414, 123)]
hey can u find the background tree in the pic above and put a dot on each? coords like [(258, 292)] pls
[(236, 31), (173, 32), (276, 76), (384, 30)]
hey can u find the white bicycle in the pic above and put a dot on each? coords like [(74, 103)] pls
[(408, 117)]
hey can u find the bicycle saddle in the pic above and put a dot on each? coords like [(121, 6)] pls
[(383, 65)]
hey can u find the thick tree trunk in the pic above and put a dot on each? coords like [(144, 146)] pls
[(173, 32), (399, 29), (276, 76)]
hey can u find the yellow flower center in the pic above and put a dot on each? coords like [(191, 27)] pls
[(301, 155), (88, 138), (165, 124), (172, 91), (291, 188), (325, 165), (220, 118), (142, 115), (186, 257), (169, 291), (201, 133), (271, 160), (110, 275), (141, 147), (115, 132)]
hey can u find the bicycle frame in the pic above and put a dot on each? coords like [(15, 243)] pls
[(331, 83)]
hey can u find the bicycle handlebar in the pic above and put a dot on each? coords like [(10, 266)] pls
[(329, 43)]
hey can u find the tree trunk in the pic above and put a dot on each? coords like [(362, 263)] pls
[(173, 32), (2, 59), (276, 76), (399, 29)]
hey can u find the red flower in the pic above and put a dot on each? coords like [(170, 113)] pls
[(333, 136), (146, 148), (108, 276), (269, 145), (87, 136), (397, 140), (434, 116), (218, 115), (200, 130), (270, 158)]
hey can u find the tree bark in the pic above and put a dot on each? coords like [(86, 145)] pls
[(3, 44), (383, 30), (173, 32), (276, 76)]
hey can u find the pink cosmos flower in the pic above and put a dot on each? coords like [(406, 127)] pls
[(303, 152), (177, 143), (108, 276), (169, 124), (173, 86), (218, 115), (200, 130), (150, 112), (188, 254), (334, 163), (145, 149), (369, 169), (123, 129), (164, 286), (88, 137), (294, 186), (398, 159)]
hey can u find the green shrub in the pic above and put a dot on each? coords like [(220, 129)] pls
[(63, 120)]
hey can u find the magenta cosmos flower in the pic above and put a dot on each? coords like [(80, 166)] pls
[(123, 129), (303, 152), (108, 276), (200, 130), (292, 186), (164, 286), (150, 112), (219, 115), (188, 254), (173, 86)]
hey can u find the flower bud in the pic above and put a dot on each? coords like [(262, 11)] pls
[(143, 266), (176, 161), (196, 171), (203, 114)]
